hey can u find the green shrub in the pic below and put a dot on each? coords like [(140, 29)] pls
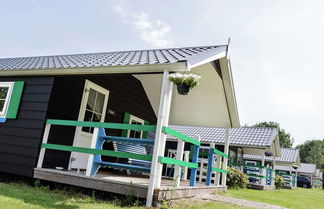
[(236, 179), (279, 182)]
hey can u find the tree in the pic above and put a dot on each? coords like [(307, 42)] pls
[(312, 151), (285, 138)]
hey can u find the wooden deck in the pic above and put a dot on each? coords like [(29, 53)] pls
[(124, 184)]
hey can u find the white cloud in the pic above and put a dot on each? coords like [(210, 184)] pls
[(154, 32)]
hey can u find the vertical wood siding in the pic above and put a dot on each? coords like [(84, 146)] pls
[(20, 138)]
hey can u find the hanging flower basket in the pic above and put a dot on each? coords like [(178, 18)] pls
[(184, 82), (268, 154)]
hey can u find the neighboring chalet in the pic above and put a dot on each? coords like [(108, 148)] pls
[(257, 140), (309, 170), (285, 165)]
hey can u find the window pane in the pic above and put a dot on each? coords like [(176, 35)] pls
[(132, 134), (100, 102), (91, 99), (87, 117), (137, 134), (1, 105), (3, 92), (96, 117)]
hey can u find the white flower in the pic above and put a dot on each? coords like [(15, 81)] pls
[(187, 79)]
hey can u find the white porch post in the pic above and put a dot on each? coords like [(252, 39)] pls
[(165, 122), (92, 146), (290, 176), (42, 151), (177, 170), (263, 173), (218, 165), (160, 138), (225, 160), (273, 170), (296, 177), (185, 169)]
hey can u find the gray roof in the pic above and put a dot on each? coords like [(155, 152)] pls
[(288, 155), (244, 136), (283, 168), (307, 168), (106, 59)]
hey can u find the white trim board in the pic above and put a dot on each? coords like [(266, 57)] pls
[(209, 56), (149, 68)]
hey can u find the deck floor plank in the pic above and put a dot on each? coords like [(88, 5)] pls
[(125, 184)]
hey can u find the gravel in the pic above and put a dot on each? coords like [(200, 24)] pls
[(237, 201)]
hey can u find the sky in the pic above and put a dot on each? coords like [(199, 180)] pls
[(276, 46)]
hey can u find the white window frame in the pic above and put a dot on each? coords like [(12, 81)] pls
[(251, 162), (139, 120), (3, 113)]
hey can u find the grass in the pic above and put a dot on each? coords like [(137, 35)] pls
[(23, 196), (295, 198)]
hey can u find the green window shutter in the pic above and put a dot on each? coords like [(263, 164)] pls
[(15, 100), (145, 132), (126, 120)]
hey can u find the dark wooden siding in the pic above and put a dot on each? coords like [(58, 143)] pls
[(20, 138), (126, 95)]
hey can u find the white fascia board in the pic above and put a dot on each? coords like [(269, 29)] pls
[(230, 92), (208, 56), (280, 167), (149, 68)]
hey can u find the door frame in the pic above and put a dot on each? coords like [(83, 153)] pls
[(86, 89)]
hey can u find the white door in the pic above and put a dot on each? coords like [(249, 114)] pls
[(93, 108)]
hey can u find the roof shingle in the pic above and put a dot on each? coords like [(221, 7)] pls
[(288, 155), (245, 136), (105, 59), (307, 168)]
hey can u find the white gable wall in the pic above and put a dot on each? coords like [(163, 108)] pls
[(205, 105)]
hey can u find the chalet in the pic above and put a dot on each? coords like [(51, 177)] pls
[(285, 165), (309, 170), (257, 140), (87, 120)]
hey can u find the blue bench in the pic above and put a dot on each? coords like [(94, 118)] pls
[(123, 144)]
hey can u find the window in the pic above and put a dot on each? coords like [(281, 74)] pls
[(94, 108), (5, 95), (135, 133), (250, 162), (131, 119)]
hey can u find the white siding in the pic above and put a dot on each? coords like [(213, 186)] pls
[(205, 105)]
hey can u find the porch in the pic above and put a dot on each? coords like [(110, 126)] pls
[(133, 176), (135, 185)]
